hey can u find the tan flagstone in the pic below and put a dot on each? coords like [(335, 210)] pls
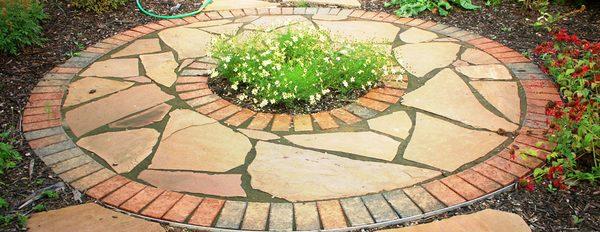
[(160, 67), (475, 56), (504, 96), (246, 19), (122, 150), (343, 3), (446, 146), (139, 79), (95, 114), (396, 124), (416, 35), (179, 39), (360, 31), (420, 59), (447, 94), (89, 88), (329, 17), (229, 29), (269, 23), (143, 118), (259, 135), (224, 185), (184, 64), (492, 71), (181, 119), (208, 23), (298, 174), (371, 144), (239, 4), (127, 67), (140, 46)]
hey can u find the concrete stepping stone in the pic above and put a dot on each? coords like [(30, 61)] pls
[(371, 144), (89, 217), (122, 150), (298, 174), (421, 58), (128, 67), (90, 88), (160, 67), (416, 35), (446, 94), (360, 31), (225, 185), (269, 23), (229, 29), (446, 146), (259, 135), (144, 118), (141, 46), (504, 96), (475, 56), (342, 3), (181, 119), (396, 124), (239, 4), (492, 71), (179, 39)]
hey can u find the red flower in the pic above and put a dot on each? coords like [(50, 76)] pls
[(581, 72)]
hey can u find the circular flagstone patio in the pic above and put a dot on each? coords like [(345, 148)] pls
[(133, 123)]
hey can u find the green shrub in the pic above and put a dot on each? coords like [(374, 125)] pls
[(296, 67), (19, 24), (99, 6), (8, 155), (410, 8)]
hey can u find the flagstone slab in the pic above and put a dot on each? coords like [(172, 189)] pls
[(298, 174), (396, 124), (122, 150), (90, 88), (161, 67), (360, 31), (367, 143), (229, 29), (141, 46), (209, 23), (259, 135), (269, 23), (239, 4), (421, 58), (475, 56), (504, 96), (492, 71), (143, 118), (329, 17), (181, 119), (127, 67), (95, 114), (179, 39), (446, 94), (416, 35), (343, 3), (446, 146), (224, 185)]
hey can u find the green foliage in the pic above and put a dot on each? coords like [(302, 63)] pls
[(3, 203), (19, 25), (50, 194), (39, 208), (296, 67), (409, 8), (8, 155), (99, 6), (20, 219)]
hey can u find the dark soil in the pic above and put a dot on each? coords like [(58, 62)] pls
[(171, 7)]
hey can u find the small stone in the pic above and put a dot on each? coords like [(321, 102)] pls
[(225, 185), (113, 68), (420, 59), (259, 135), (475, 56), (416, 35), (90, 88), (143, 118), (141, 46), (492, 71), (160, 67), (396, 124)]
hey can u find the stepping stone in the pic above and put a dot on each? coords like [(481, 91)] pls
[(447, 94), (504, 96), (95, 114), (122, 150), (161, 67), (139, 79), (113, 68), (230, 29), (360, 31), (225, 185), (416, 35), (298, 174), (209, 23), (367, 143), (90, 88), (396, 124), (492, 71), (141, 46), (420, 59), (179, 39), (475, 56), (181, 118), (269, 23), (238, 4), (259, 135), (446, 146), (144, 118), (342, 3), (89, 217)]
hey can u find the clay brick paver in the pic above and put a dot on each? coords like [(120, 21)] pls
[(306, 216), (302, 122), (161, 204), (141, 199), (225, 112), (443, 193), (240, 117), (206, 212), (423, 199), (382, 97), (183, 208), (260, 121), (256, 216), (379, 208), (462, 187), (345, 116), (106, 187), (281, 217), (62, 156), (195, 94), (123, 194), (281, 122), (331, 214), (356, 211), (401, 203), (190, 87), (213, 106), (93, 179), (324, 120), (42, 142), (81, 171), (525, 160), (479, 181), (495, 174), (507, 166), (231, 215), (372, 104)]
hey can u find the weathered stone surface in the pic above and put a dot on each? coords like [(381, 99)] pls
[(98, 113), (143, 118), (475, 56), (90, 88), (89, 217), (257, 134), (239, 4), (360, 31), (181, 119), (329, 17), (139, 79), (209, 23), (303, 175), (447, 146), (416, 35), (447, 94), (179, 39), (504, 96), (269, 23), (420, 59), (123, 150), (344, 3), (141, 46), (492, 71), (246, 19), (396, 124), (225, 185), (371, 144), (229, 29), (160, 67), (128, 67)]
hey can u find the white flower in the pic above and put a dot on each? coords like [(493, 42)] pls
[(344, 52), (295, 38), (345, 83), (266, 62), (215, 73), (263, 103), (227, 59), (352, 79), (242, 97)]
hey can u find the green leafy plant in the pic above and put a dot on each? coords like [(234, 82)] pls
[(99, 6), (3, 203), (50, 194), (19, 25), (39, 208), (408, 8), (8, 155)]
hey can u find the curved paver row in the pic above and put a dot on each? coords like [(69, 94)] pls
[(447, 109)]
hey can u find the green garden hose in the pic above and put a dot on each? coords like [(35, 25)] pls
[(204, 4)]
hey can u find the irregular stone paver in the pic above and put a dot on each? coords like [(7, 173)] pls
[(396, 124), (343, 3), (238, 4), (89, 217), (208, 23), (475, 56), (143, 118), (302, 175), (181, 119), (122, 150), (138, 47), (329, 17), (178, 38), (360, 31), (371, 144), (269, 23), (113, 68), (420, 59), (90, 88), (434, 142), (492, 71), (98, 113), (416, 35), (160, 67), (225, 185), (504, 96), (447, 94), (260, 135), (229, 29)]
